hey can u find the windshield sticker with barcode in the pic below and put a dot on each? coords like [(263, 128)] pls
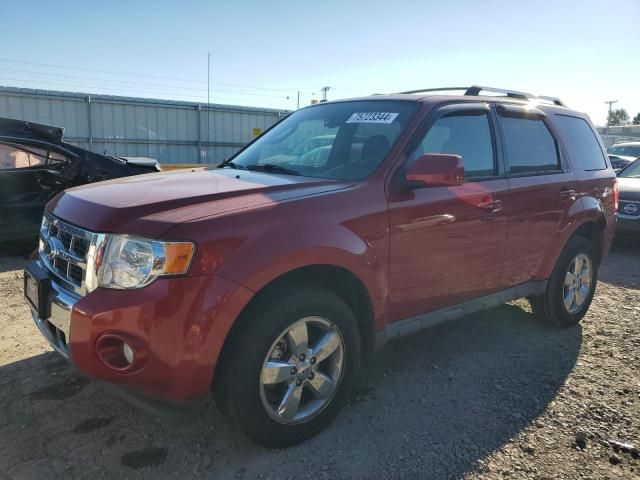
[(372, 117)]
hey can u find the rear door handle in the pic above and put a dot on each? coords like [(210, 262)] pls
[(567, 193), (491, 206)]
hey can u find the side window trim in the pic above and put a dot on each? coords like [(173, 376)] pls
[(452, 110), (541, 116)]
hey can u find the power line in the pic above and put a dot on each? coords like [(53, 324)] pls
[(158, 77), (129, 74), (129, 82), (145, 87), (120, 89)]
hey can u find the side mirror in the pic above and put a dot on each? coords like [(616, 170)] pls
[(436, 170)]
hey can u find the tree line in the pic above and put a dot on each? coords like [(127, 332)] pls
[(620, 116)]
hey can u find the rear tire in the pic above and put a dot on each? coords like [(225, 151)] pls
[(254, 387), (571, 286)]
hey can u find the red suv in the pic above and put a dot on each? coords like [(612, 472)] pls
[(345, 225)]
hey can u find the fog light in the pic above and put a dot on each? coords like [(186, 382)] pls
[(121, 352), (127, 351)]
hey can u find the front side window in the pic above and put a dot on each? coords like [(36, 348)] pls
[(529, 146), (14, 157), (341, 141), (583, 140), (467, 134)]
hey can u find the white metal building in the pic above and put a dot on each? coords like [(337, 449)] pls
[(169, 131)]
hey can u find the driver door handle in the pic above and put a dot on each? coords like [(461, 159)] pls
[(491, 206)]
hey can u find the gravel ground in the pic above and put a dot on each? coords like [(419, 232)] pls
[(493, 395)]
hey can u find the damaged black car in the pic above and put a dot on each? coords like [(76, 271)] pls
[(36, 165)]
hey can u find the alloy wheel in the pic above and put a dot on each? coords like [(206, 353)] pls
[(302, 370), (577, 283)]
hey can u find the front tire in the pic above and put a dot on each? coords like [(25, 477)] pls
[(571, 286), (289, 367)]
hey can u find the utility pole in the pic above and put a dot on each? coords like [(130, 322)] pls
[(208, 104), (610, 102), (324, 91), (298, 107)]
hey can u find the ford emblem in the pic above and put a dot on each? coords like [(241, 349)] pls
[(53, 248)]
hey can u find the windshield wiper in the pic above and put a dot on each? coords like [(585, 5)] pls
[(272, 168), (232, 164)]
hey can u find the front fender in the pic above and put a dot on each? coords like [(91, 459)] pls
[(348, 228), (283, 248)]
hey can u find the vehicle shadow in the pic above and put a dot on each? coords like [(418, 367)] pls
[(428, 406), (8, 264), (615, 268)]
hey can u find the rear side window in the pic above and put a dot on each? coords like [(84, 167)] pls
[(583, 142), (465, 134), (14, 157), (530, 147)]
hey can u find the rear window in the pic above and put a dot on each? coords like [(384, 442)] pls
[(530, 147), (583, 142)]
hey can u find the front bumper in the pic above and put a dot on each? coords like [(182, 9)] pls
[(628, 224), (57, 326), (182, 322)]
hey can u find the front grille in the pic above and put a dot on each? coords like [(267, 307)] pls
[(56, 337), (631, 209), (64, 251)]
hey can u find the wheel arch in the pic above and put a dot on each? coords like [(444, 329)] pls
[(337, 279), (594, 230), (590, 224)]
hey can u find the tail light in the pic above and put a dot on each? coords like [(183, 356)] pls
[(616, 194)]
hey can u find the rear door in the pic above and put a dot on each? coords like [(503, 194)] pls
[(29, 177), (588, 157), (447, 243), (542, 190)]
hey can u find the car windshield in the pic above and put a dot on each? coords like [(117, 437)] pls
[(632, 171), (625, 150), (340, 141)]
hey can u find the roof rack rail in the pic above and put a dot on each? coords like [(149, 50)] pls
[(441, 89), (475, 90)]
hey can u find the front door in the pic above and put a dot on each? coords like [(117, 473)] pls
[(447, 243)]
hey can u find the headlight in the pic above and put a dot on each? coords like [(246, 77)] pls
[(131, 262)]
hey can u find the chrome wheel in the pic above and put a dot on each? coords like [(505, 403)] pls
[(577, 283), (302, 370)]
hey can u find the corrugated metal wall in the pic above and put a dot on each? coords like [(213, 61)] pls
[(169, 131)]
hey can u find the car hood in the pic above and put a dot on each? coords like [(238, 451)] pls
[(626, 158), (629, 188), (149, 205)]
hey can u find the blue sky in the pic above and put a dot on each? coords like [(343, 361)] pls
[(584, 51)]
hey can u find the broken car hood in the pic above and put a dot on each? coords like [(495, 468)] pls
[(19, 129), (149, 205)]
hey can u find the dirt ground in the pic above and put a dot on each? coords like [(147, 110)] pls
[(493, 395)]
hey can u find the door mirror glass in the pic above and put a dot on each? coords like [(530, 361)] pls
[(436, 170)]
